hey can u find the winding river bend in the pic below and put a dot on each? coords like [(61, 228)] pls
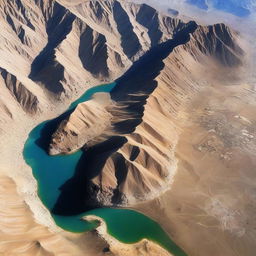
[(51, 172)]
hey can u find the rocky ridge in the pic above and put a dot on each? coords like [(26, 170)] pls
[(141, 124)]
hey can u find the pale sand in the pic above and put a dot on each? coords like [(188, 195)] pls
[(142, 248), (210, 209), (21, 235)]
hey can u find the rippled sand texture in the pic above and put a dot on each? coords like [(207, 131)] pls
[(21, 235)]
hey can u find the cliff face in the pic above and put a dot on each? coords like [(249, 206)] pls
[(129, 149)]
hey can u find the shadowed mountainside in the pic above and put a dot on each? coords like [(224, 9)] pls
[(146, 172), (131, 90), (64, 47)]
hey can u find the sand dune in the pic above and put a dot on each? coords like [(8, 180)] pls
[(21, 235)]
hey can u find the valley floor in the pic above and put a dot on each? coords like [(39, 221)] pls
[(210, 209)]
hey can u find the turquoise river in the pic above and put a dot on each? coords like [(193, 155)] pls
[(51, 172)]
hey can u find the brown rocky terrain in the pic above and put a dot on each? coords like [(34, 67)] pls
[(130, 145), (186, 142)]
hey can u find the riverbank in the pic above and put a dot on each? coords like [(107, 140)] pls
[(38, 215), (54, 172), (37, 220), (142, 248), (27, 226)]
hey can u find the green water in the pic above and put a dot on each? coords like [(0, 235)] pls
[(51, 172)]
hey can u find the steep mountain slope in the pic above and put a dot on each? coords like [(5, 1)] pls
[(65, 48), (129, 149)]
